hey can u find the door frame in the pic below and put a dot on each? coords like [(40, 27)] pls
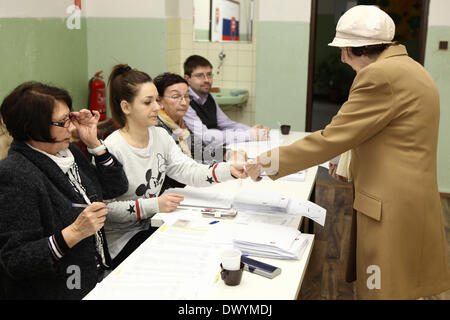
[(312, 52)]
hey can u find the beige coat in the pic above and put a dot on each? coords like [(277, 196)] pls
[(390, 122)]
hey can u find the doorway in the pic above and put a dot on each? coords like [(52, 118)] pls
[(329, 80)]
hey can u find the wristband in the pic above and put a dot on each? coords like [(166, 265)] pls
[(97, 149)]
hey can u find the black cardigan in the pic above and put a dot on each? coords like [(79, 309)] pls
[(35, 203)]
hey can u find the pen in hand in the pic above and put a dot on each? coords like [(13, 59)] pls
[(80, 205)]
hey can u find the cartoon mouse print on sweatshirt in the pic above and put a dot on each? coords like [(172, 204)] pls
[(150, 189)]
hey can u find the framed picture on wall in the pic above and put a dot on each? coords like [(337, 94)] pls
[(225, 20)]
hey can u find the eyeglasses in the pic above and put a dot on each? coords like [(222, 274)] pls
[(202, 76), (180, 98), (63, 124)]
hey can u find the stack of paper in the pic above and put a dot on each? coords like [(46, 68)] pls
[(273, 241), (249, 200), (203, 198)]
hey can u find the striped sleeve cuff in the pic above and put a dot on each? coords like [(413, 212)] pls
[(105, 159), (221, 172), (57, 246)]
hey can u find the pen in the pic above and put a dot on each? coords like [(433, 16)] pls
[(214, 222), (80, 205)]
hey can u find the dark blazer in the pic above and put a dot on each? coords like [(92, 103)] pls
[(35, 203)]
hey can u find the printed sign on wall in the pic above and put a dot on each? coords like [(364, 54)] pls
[(230, 28), (225, 20)]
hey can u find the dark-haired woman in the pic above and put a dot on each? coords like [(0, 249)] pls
[(52, 244), (148, 154), (174, 100)]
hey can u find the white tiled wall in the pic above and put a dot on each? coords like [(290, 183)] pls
[(439, 13), (237, 71)]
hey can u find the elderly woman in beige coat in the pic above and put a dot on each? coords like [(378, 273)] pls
[(390, 122)]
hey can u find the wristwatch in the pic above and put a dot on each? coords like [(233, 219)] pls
[(97, 149)]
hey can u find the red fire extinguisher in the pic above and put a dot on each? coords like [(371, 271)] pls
[(97, 95)]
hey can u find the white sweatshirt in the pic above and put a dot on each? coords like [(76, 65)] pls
[(146, 169)]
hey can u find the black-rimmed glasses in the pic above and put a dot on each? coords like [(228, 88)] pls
[(63, 124)]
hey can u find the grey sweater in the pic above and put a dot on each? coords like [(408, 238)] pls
[(35, 203)]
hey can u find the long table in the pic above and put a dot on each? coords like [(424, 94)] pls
[(286, 286)]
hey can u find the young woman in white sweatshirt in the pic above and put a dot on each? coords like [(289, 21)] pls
[(148, 155)]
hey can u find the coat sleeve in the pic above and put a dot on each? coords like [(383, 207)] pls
[(112, 177), (369, 109), (108, 170), (24, 251)]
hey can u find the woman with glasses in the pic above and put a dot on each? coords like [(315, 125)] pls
[(148, 154), (174, 100), (52, 244)]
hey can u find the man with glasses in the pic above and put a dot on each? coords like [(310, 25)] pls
[(204, 117)]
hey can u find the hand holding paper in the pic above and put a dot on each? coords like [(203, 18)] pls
[(253, 170), (168, 202), (237, 158)]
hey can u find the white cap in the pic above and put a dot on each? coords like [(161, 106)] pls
[(364, 26)]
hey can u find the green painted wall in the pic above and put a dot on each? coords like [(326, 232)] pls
[(282, 73), (437, 62), (43, 50), (46, 50), (140, 42)]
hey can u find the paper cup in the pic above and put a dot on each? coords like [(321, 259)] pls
[(285, 128), (231, 259)]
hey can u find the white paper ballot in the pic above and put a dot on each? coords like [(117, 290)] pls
[(258, 201), (297, 177), (203, 198), (308, 209), (268, 240), (164, 269)]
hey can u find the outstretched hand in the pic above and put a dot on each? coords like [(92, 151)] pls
[(253, 170), (238, 171), (169, 202), (237, 159)]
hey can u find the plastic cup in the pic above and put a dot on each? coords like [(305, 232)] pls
[(231, 259), (232, 277), (285, 128)]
